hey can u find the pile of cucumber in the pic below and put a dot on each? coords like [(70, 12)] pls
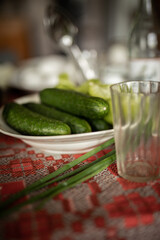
[(60, 112)]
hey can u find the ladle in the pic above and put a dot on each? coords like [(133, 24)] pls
[(62, 31)]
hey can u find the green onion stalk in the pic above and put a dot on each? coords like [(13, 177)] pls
[(66, 181)]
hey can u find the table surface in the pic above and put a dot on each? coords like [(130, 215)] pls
[(104, 207)]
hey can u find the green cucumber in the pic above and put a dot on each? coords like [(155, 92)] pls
[(77, 125), (75, 103), (27, 122), (99, 124)]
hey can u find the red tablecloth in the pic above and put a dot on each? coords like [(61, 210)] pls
[(105, 207)]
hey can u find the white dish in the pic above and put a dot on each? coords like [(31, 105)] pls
[(41, 72), (67, 144)]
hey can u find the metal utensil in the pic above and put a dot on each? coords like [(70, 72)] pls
[(62, 31)]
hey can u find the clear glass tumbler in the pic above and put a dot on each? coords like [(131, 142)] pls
[(136, 116)]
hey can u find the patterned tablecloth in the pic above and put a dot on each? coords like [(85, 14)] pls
[(104, 207)]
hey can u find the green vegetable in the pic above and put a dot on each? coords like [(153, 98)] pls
[(109, 117), (98, 89), (85, 86), (102, 90), (80, 177), (75, 103), (76, 124), (27, 122), (99, 124), (65, 82), (85, 172)]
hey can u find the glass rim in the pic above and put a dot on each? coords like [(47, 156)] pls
[(132, 82)]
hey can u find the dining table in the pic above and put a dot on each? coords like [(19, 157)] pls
[(104, 207)]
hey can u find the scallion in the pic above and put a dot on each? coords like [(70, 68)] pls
[(75, 177)]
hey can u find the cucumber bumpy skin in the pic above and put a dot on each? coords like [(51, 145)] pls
[(77, 125), (75, 103), (27, 122)]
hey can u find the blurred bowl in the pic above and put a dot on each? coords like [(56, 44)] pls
[(39, 73)]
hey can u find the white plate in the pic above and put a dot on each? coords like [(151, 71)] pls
[(38, 73), (69, 144)]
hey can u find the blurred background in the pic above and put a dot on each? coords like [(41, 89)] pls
[(103, 25), (100, 22)]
